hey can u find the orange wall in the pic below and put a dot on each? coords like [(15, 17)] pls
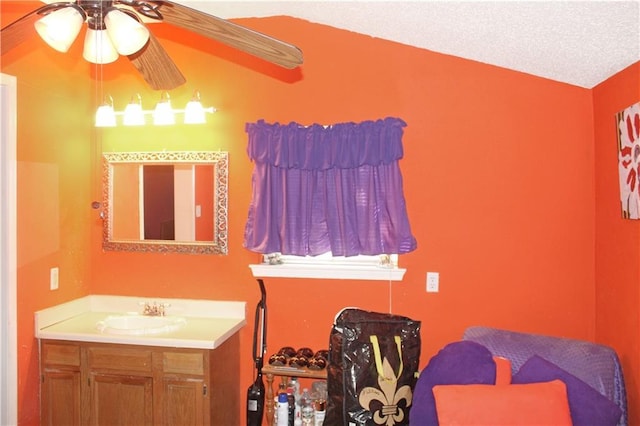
[(55, 166), (617, 239), (498, 176)]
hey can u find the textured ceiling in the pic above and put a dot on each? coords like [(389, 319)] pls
[(577, 42)]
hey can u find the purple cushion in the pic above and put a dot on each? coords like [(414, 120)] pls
[(458, 363), (588, 407)]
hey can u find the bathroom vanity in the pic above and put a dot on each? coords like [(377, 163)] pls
[(140, 371)]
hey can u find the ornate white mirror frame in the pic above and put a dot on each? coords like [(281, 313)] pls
[(219, 161)]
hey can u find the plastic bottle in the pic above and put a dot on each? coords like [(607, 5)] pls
[(320, 406), (297, 414), (307, 411), (292, 406), (295, 384), (282, 411)]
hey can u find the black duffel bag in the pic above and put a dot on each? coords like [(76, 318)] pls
[(372, 371)]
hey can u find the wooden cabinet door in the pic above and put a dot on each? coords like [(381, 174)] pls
[(126, 385), (183, 397), (60, 397), (61, 389), (121, 400), (183, 401)]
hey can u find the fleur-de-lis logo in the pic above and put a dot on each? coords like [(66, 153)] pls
[(390, 412)]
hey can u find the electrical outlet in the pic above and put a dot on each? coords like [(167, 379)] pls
[(53, 278), (433, 282)]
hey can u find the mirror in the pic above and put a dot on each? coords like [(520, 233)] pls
[(165, 201)]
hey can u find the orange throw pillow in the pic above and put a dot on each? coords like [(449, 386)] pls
[(503, 370), (538, 404)]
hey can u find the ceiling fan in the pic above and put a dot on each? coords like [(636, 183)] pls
[(117, 27)]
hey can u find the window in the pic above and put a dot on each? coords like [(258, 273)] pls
[(382, 268), (328, 189)]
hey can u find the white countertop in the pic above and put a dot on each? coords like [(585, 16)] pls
[(208, 322)]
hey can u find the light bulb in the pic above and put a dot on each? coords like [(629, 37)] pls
[(105, 116), (133, 113), (163, 114), (194, 113)]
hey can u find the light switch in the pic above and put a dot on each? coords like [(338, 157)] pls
[(53, 278)]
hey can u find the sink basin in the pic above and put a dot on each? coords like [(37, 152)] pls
[(139, 324)]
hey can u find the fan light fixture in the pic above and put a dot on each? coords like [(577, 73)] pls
[(98, 48), (60, 28), (59, 22), (127, 34), (115, 33), (163, 114)]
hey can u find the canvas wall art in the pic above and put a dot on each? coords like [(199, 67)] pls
[(628, 128)]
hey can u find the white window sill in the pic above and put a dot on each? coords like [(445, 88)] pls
[(344, 272)]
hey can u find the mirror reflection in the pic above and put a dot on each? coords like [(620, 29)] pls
[(165, 201)]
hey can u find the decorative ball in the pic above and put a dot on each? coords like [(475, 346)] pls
[(305, 352), (278, 359), (322, 353), (299, 361), (287, 351), (317, 363)]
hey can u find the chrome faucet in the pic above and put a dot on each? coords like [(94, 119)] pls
[(155, 309)]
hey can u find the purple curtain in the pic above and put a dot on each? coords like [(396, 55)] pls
[(317, 189)]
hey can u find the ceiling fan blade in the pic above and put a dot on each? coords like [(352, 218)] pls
[(156, 66), (18, 31), (236, 36)]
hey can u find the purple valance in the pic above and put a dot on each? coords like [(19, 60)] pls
[(317, 147), (320, 189)]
